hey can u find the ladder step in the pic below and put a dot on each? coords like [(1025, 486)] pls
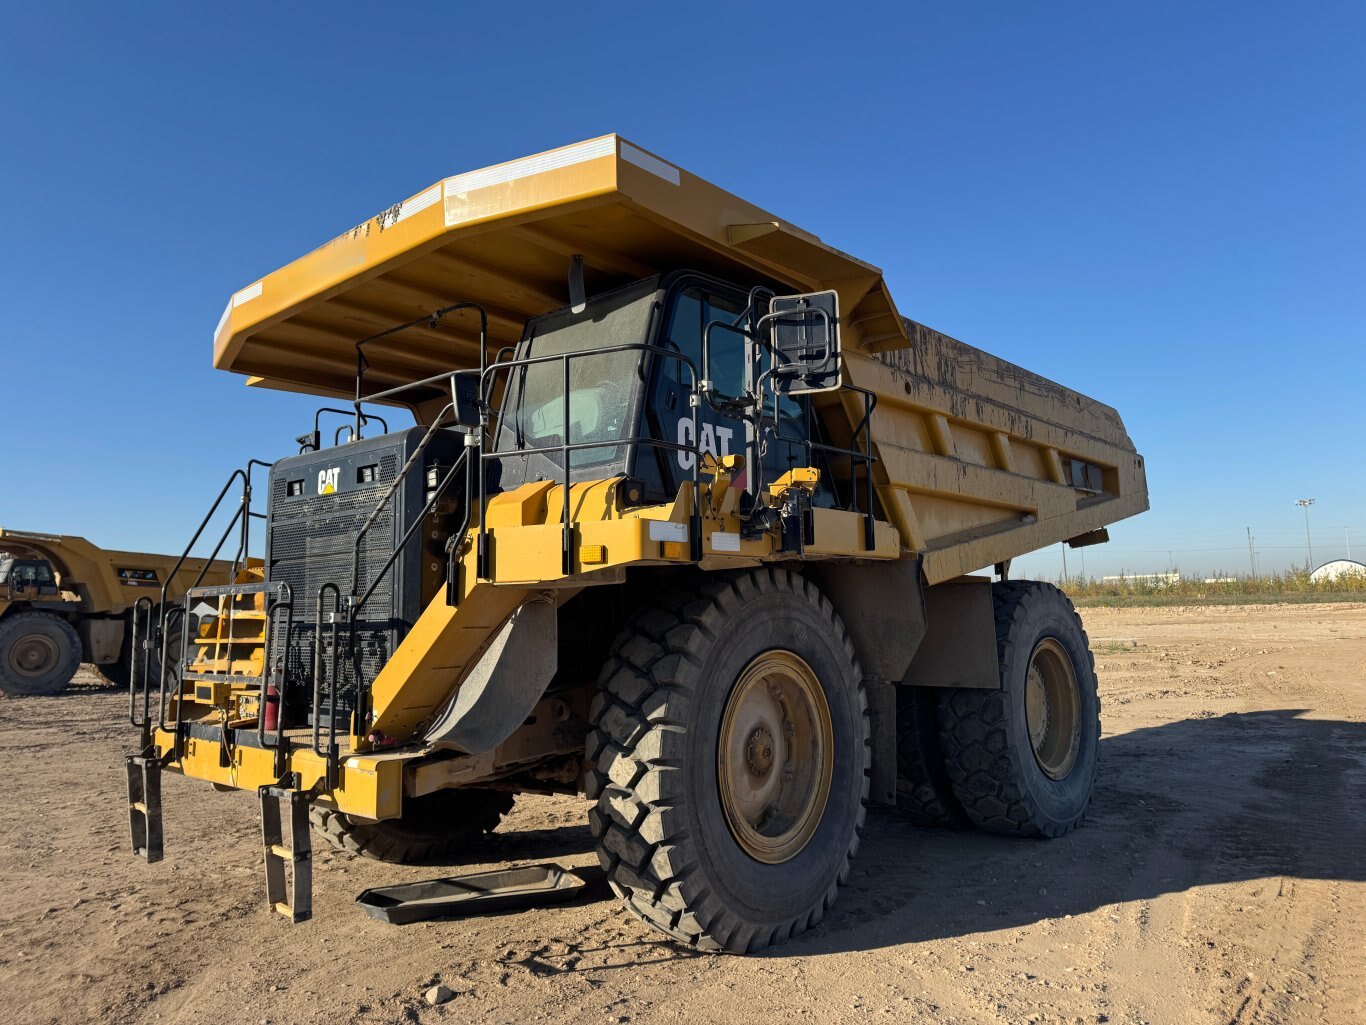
[(292, 898), (144, 806)]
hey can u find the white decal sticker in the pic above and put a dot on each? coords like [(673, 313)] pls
[(663, 530), (222, 320), (247, 294), (649, 162), (327, 480), (515, 169), (722, 542), (419, 203)]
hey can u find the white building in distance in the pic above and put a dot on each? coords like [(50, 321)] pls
[(1330, 571)]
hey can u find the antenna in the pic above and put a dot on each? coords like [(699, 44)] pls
[(1305, 503)]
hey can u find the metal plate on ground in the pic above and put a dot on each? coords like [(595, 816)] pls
[(501, 890)]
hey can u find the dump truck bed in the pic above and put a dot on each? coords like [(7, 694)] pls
[(107, 580), (979, 461)]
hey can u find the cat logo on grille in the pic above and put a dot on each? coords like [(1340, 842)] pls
[(327, 480)]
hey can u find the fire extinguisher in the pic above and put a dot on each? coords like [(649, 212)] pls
[(272, 713)]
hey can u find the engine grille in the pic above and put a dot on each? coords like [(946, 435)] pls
[(312, 541)]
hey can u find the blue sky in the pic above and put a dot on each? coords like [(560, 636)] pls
[(1162, 205)]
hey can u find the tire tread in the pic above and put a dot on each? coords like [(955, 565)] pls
[(646, 688), (974, 728)]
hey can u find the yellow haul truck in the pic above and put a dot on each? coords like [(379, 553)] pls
[(685, 525), (64, 601)]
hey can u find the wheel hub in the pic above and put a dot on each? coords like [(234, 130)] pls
[(760, 752), (775, 756), (1053, 708), (34, 655)]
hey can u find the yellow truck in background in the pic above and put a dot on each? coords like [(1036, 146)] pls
[(64, 601), (692, 521)]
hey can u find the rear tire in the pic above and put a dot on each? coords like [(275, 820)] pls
[(731, 748), (924, 794), (1022, 759), (39, 653), (436, 827)]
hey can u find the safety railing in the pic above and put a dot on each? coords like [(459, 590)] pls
[(862, 455), (346, 607), (148, 635), (175, 676), (313, 442), (567, 446)]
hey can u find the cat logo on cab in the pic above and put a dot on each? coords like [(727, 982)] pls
[(715, 440), (327, 480)]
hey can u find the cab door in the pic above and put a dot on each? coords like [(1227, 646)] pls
[(691, 304)]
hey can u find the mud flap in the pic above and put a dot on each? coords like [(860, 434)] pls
[(510, 678)]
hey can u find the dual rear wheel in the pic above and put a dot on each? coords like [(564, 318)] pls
[(1020, 760)]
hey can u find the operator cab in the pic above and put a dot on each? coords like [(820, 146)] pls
[(622, 369), (28, 578)]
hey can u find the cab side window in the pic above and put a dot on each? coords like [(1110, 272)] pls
[(693, 310)]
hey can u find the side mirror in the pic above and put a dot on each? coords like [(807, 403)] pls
[(465, 399), (804, 333)]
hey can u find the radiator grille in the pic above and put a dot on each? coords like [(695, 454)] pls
[(312, 542)]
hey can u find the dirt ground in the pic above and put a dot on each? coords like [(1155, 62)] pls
[(1220, 878)]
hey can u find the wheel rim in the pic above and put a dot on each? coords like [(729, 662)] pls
[(775, 757), (34, 655), (1053, 708)]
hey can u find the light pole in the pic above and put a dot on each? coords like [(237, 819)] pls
[(1305, 503)]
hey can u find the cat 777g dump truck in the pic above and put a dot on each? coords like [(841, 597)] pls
[(686, 524), (63, 601)]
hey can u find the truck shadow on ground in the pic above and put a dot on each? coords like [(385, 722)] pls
[(1232, 798)]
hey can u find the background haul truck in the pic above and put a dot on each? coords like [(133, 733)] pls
[(693, 543), (64, 601)]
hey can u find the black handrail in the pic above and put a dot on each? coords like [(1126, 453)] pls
[(316, 443), (318, 670), (141, 612), (241, 520), (437, 424), (566, 448), (865, 456), (286, 602), (167, 616), (202, 524), (431, 319)]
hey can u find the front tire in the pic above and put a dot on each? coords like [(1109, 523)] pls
[(731, 759), (1022, 759), (39, 653)]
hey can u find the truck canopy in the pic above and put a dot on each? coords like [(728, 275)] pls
[(504, 237)]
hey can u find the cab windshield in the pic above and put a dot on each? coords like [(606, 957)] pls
[(603, 394), (25, 574)]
